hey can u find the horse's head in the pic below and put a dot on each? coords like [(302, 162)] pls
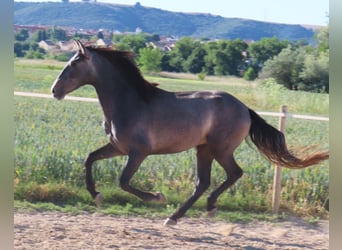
[(75, 74)]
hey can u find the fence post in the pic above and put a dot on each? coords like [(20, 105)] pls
[(277, 168)]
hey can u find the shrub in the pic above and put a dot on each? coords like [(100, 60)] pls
[(250, 74), (201, 76)]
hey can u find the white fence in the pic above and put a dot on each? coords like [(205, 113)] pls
[(282, 114)]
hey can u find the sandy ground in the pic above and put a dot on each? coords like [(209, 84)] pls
[(97, 231)]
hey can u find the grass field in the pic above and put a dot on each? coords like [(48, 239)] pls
[(52, 138)]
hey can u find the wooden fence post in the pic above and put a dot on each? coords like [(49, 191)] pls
[(277, 169)]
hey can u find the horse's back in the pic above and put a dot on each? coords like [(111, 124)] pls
[(189, 119)]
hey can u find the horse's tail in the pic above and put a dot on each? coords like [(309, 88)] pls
[(271, 143)]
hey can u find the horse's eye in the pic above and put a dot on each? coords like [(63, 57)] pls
[(76, 59)]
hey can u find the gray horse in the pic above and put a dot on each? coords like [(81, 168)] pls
[(141, 119)]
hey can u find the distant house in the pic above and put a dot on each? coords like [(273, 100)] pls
[(66, 46), (104, 42), (163, 46), (47, 45)]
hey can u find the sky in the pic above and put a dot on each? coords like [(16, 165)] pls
[(311, 12)]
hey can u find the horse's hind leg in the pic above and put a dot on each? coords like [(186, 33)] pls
[(233, 171), (204, 161), (104, 152)]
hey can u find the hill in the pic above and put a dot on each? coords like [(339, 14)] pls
[(92, 15)]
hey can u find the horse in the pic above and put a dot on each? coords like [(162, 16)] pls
[(141, 119)]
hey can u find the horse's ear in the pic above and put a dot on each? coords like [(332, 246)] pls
[(81, 48)]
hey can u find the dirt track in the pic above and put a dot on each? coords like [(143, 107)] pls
[(96, 231)]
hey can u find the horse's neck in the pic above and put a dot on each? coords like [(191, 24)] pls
[(117, 100)]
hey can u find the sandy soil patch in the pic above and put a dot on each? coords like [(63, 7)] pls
[(54, 230)]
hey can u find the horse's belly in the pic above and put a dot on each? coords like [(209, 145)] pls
[(176, 142)]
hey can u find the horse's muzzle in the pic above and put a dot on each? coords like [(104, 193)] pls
[(59, 95)]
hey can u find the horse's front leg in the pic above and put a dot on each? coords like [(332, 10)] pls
[(104, 152), (133, 163)]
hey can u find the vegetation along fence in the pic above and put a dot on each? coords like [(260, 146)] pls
[(282, 114)]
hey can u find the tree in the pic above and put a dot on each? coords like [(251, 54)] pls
[(226, 57), (182, 50), (40, 35), (286, 67), (195, 62), (100, 35), (22, 35), (315, 73), (56, 34), (265, 49), (155, 37), (209, 58), (131, 42), (322, 37), (18, 49), (150, 59), (249, 75), (302, 67)]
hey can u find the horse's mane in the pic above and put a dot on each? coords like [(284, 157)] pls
[(125, 63)]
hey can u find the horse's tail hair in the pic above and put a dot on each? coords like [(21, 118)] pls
[(271, 143)]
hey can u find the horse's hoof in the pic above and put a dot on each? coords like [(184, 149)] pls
[(98, 199), (161, 198), (212, 212), (170, 222)]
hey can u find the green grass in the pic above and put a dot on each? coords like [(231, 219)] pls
[(52, 138)]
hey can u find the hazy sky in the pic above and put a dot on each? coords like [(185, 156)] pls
[(313, 12)]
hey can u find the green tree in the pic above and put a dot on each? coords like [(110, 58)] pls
[(195, 62), (322, 37), (40, 35), (302, 67), (265, 49), (249, 74), (228, 57), (57, 34), (22, 35), (150, 59), (285, 68), (18, 50), (155, 37), (209, 58), (182, 50), (131, 42), (315, 73), (100, 35)]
